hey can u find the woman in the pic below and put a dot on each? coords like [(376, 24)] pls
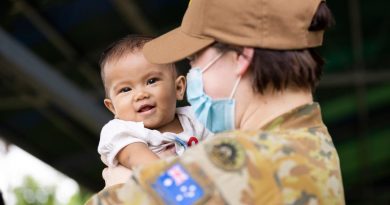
[(253, 74)]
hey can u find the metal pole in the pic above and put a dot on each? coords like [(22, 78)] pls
[(59, 90), (361, 93)]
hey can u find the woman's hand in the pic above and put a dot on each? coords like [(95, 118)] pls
[(115, 175)]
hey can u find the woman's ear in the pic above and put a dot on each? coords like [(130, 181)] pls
[(109, 105), (180, 83), (244, 60)]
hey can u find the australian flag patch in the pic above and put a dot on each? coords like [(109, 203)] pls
[(176, 186)]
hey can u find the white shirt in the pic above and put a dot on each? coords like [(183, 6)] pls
[(117, 134)]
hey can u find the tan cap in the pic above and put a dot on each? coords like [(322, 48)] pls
[(272, 24)]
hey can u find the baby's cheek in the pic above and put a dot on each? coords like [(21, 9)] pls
[(128, 116)]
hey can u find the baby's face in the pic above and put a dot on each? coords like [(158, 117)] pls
[(141, 91)]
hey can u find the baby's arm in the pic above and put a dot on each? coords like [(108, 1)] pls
[(124, 142), (127, 142), (136, 154)]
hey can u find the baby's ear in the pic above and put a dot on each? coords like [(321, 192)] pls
[(109, 105), (180, 87)]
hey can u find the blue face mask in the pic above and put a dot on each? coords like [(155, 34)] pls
[(216, 115)]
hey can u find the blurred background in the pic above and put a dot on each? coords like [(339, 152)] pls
[(51, 96)]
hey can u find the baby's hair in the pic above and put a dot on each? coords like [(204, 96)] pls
[(124, 46), (127, 45)]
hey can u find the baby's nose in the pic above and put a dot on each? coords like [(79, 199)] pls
[(140, 95)]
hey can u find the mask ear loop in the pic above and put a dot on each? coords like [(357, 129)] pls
[(211, 62), (235, 87)]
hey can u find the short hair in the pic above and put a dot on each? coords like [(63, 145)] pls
[(124, 46), (287, 68), (127, 45)]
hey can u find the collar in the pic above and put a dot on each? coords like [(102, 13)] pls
[(308, 115)]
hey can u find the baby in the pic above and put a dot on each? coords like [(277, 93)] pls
[(142, 96)]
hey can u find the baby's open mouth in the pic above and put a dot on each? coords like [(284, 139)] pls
[(145, 108)]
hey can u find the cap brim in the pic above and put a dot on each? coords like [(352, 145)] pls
[(173, 46)]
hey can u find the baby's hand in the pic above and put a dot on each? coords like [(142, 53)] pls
[(168, 151)]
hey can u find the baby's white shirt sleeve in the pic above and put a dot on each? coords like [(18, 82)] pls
[(116, 135)]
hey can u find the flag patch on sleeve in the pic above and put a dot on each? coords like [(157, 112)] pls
[(176, 186)]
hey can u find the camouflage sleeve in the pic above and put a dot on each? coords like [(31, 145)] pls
[(111, 195), (215, 172), (232, 168)]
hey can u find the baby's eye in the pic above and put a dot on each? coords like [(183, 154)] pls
[(124, 90), (151, 81)]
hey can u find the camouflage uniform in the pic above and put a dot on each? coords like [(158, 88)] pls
[(291, 161)]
